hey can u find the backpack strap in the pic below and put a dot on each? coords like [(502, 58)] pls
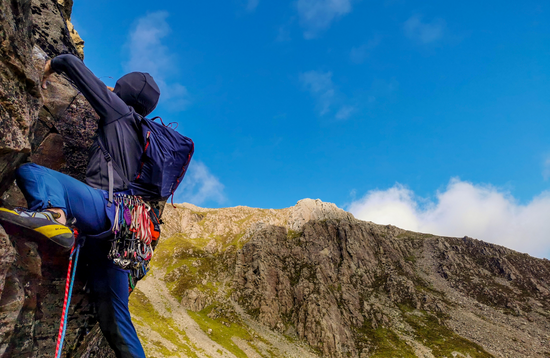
[(110, 172)]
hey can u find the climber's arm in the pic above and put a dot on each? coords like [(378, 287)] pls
[(107, 104)]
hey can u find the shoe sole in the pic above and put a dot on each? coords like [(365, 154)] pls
[(16, 225)]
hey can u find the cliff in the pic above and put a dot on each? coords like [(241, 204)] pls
[(311, 280), (53, 128), (306, 281)]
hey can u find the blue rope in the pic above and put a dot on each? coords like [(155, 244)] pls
[(69, 299)]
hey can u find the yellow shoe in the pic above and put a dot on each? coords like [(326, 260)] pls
[(38, 224)]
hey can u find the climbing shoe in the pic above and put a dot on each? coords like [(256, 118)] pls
[(37, 224)]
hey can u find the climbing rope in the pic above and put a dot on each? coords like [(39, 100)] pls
[(68, 294)]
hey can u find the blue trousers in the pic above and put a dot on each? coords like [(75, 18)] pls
[(45, 188)]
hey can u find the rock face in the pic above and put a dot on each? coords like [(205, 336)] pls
[(46, 127), (51, 29), (31, 32), (313, 274), (20, 98), (66, 10), (338, 282)]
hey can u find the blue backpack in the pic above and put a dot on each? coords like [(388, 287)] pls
[(164, 161), (166, 156)]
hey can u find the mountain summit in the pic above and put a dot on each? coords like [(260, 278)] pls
[(311, 280)]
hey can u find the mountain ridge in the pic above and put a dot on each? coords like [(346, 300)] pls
[(312, 281)]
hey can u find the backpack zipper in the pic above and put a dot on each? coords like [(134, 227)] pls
[(144, 150)]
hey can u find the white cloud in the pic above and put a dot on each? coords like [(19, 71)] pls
[(464, 209), (330, 101), (359, 54), (149, 54), (200, 186), (251, 5), (284, 30), (546, 168), (317, 15), (382, 87), (174, 95), (283, 33), (344, 112), (321, 87), (424, 32)]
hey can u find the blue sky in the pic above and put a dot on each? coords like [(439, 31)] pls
[(348, 101)]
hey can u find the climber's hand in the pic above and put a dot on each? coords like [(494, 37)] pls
[(110, 88), (47, 73)]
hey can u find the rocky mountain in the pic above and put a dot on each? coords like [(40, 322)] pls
[(306, 281), (311, 280)]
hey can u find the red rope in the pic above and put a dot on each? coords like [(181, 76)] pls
[(64, 303)]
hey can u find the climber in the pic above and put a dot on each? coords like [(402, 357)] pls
[(55, 199)]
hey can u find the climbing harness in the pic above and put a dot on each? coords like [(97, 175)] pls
[(68, 293), (134, 233)]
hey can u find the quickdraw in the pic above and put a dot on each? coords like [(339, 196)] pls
[(131, 247)]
